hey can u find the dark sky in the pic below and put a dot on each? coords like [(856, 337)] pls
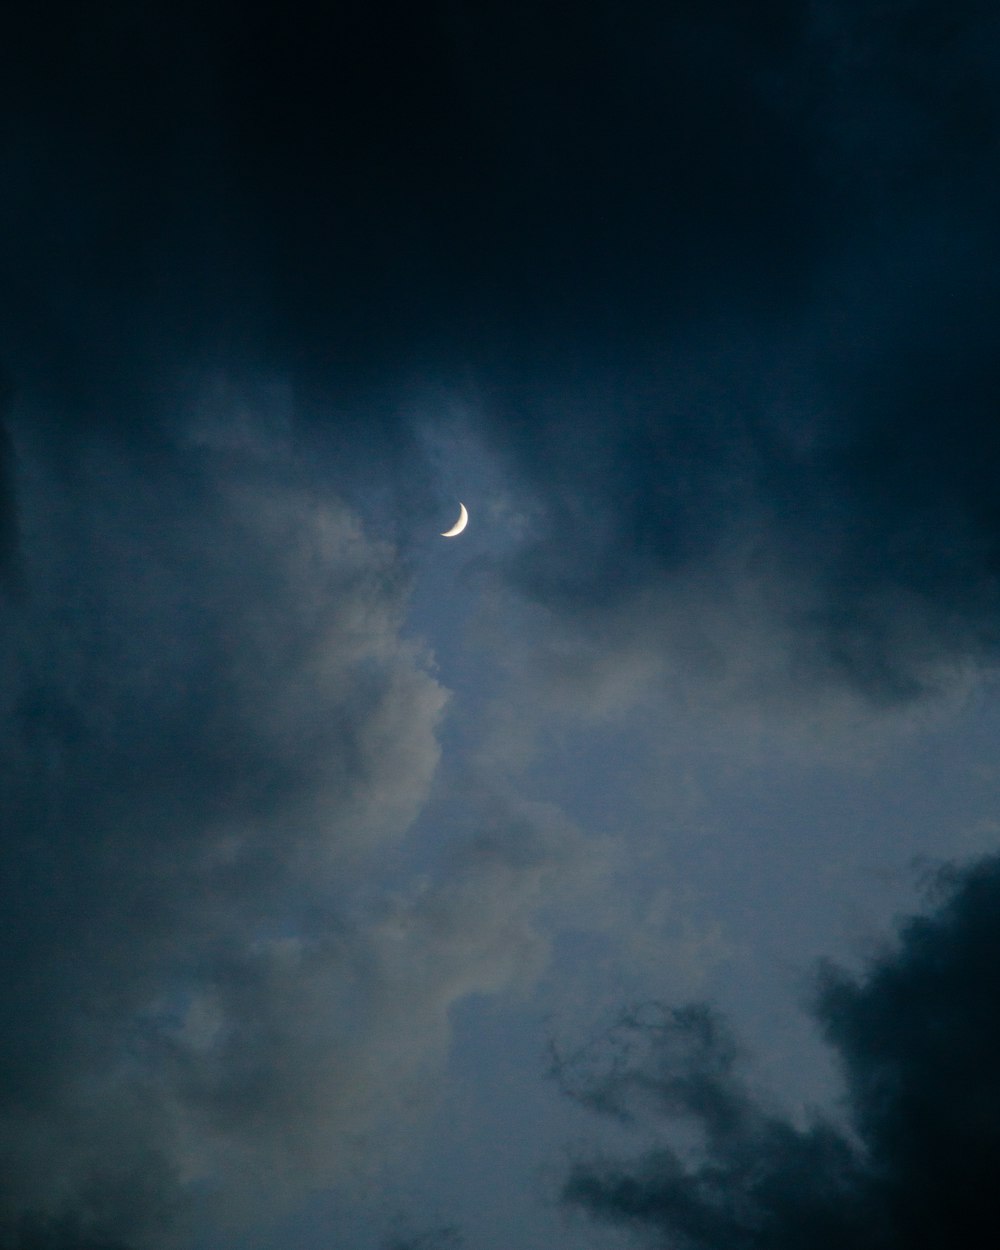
[(317, 827)]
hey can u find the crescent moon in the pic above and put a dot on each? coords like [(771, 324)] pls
[(460, 524)]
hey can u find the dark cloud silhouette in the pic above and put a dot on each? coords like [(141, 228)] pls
[(916, 1036)]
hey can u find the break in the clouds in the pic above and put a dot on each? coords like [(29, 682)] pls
[(916, 1037)]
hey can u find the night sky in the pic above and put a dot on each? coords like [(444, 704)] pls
[(623, 871)]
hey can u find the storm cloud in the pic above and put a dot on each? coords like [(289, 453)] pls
[(916, 1038)]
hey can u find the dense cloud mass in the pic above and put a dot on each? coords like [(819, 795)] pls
[(916, 1036)]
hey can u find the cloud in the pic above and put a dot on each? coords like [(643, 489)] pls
[(210, 721), (222, 984), (779, 515), (784, 488), (8, 503), (448, 1237), (725, 288), (916, 1040), (35, 1234)]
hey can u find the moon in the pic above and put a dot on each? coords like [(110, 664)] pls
[(460, 524)]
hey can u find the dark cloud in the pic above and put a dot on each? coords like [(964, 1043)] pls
[(812, 459), (724, 284), (348, 194), (347, 190), (916, 1036)]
